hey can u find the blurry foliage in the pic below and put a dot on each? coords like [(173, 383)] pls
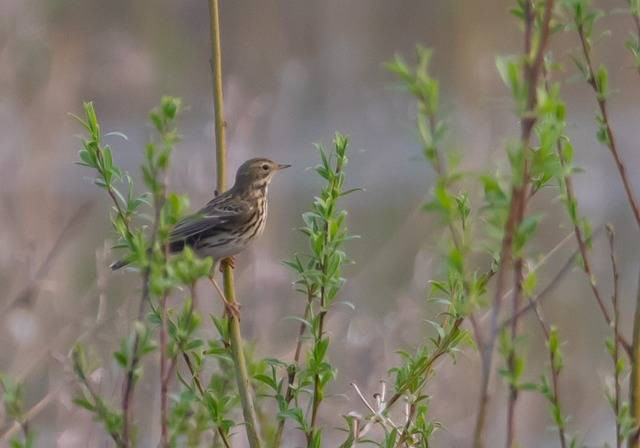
[(488, 229)]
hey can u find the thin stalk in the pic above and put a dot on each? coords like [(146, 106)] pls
[(129, 383), (555, 400), (519, 197), (634, 387), (513, 389), (198, 384), (611, 142), (164, 421), (636, 21), (291, 374), (237, 346), (442, 350), (159, 199), (616, 343), (317, 395), (586, 264)]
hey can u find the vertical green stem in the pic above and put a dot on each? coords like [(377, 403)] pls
[(237, 347)]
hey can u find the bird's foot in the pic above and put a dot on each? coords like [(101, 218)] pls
[(231, 308), (229, 261)]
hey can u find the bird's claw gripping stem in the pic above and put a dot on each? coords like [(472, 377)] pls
[(229, 261)]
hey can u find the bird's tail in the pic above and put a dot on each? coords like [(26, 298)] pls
[(118, 264)]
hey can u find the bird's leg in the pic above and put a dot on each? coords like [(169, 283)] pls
[(229, 261), (232, 309)]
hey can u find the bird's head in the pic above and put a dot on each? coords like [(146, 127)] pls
[(255, 174)]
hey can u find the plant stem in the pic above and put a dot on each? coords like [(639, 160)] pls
[(513, 388), (616, 343), (159, 198), (164, 422), (519, 197), (317, 392), (237, 346), (586, 264), (291, 374), (634, 387), (611, 143), (555, 400)]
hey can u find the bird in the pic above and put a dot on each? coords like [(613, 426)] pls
[(229, 222)]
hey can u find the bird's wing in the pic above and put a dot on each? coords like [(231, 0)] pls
[(220, 213)]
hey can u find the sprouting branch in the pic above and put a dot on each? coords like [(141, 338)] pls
[(615, 345), (519, 197), (599, 84), (293, 368), (634, 386)]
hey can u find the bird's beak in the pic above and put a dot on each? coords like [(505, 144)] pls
[(282, 166)]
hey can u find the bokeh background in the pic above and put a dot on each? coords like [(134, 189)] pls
[(294, 72)]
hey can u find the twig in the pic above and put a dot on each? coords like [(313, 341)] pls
[(586, 264), (616, 343), (164, 378), (519, 197), (237, 346), (292, 371), (129, 383), (634, 386), (317, 396), (28, 292), (552, 285), (442, 349), (555, 400), (201, 391), (32, 412), (511, 361), (602, 105)]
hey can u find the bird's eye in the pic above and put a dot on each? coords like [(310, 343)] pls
[(265, 167)]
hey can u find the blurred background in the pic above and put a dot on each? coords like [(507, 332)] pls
[(294, 73)]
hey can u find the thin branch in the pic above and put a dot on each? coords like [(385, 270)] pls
[(30, 290), (129, 383), (611, 142), (237, 346), (317, 396), (586, 264), (634, 386), (292, 371), (164, 420), (555, 399), (519, 198), (32, 412), (616, 343), (551, 286)]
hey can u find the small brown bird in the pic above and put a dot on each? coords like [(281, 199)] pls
[(229, 222)]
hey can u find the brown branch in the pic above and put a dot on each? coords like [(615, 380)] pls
[(159, 199), (611, 143), (30, 290), (586, 264), (519, 198), (616, 331), (551, 286), (513, 389)]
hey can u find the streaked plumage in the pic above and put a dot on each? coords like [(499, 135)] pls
[(229, 222)]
